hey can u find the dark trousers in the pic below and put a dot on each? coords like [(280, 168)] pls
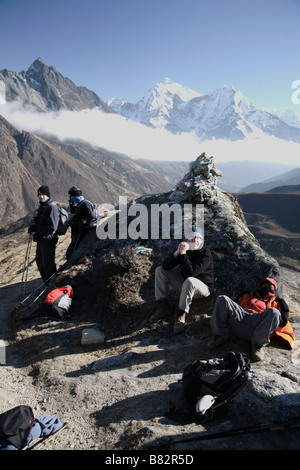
[(45, 259), (76, 239)]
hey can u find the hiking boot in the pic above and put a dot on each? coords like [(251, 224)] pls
[(257, 352), (179, 325), (163, 310), (217, 341)]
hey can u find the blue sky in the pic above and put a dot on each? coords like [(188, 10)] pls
[(119, 48)]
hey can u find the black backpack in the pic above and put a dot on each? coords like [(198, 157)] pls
[(15, 425), (218, 380), (93, 222)]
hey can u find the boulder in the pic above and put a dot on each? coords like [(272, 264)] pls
[(92, 336)]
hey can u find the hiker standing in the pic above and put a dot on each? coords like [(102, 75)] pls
[(44, 233), (190, 271), (82, 220), (255, 317)]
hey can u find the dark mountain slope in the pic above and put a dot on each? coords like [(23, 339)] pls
[(273, 218), (27, 161)]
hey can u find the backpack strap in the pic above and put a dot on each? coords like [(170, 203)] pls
[(85, 200)]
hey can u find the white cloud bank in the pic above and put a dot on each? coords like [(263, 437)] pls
[(115, 133)]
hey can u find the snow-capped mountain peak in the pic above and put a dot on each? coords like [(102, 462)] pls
[(224, 113), (162, 95), (155, 107), (160, 92), (290, 117), (174, 88)]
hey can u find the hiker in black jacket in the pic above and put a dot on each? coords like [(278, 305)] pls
[(190, 271), (44, 233), (82, 220)]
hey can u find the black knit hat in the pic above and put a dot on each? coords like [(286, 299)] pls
[(74, 191), (44, 190)]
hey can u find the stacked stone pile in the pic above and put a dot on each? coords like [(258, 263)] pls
[(200, 183)]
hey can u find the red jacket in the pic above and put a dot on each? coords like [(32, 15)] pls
[(253, 301)]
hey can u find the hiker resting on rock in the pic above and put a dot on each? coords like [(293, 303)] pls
[(44, 233), (190, 271), (254, 317), (83, 218)]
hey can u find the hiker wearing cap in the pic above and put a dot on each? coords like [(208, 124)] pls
[(190, 271), (82, 220), (44, 233), (256, 316)]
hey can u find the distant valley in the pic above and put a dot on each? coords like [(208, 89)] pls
[(273, 217)]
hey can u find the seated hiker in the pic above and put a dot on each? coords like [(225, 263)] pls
[(82, 220), (44, 233), (189, 270), (255, 317)]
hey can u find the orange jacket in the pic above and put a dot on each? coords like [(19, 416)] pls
[(251, 300)]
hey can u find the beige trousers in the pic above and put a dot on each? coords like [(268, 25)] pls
[(187, 289)]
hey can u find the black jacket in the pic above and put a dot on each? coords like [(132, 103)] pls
[(46, 222), (195, 263), (84, 214)]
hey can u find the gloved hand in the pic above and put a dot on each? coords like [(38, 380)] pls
[(32, 228), (72, 207)]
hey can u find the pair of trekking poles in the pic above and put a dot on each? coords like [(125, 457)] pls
[(24, 279), (46, 283)]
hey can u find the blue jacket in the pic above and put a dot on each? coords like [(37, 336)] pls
[(44, 425)]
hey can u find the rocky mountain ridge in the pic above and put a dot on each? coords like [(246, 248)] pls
[(44, 88), (289, 178)]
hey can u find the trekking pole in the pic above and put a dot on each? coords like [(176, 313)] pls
[(25, 268), (39, 287), (38, 445), (48, 282), (27, 256), (31, 293), (38, 442), (75, 246), (257, 428), (28, 261), (45, 283)]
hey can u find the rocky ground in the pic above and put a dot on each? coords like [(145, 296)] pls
[(114, 396)]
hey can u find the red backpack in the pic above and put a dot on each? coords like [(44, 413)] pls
[(58, 302)]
